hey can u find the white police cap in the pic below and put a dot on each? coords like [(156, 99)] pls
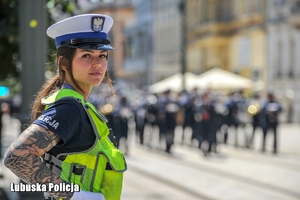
[(88, 31)]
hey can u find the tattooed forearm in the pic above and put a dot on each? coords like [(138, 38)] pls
[(36, 139), (23, 158)]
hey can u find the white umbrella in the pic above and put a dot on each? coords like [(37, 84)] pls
[(174, 83), (217, 78)]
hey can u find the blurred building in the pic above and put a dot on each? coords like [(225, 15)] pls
[(283, 23), (153, 49), (227, 34), (257, 39), (139, 44), (167, 41)]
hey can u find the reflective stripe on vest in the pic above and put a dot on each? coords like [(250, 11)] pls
[(88, 168)]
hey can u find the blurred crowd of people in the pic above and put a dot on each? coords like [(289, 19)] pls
[(212, 117)]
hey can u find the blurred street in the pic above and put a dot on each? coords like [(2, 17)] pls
[(232, 173)]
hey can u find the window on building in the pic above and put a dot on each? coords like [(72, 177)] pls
[(291, 71), (279, 2), (231, 9), (279, 61), (223, 10), (255, 74), (252, 7), (194, 13), (236, 8), (244, 52), (129, 48), (211, 10), (204, 13), (295, 7), (141, 44), (243, 7)]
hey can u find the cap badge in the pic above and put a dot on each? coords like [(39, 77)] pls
[(97, 23)]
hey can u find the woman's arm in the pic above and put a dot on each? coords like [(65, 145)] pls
[(23, 158)]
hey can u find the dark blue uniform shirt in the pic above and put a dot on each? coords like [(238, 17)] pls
[(68, 120)]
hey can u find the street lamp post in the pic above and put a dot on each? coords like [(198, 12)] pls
[(33, 54), (33, 51), (182, 11)]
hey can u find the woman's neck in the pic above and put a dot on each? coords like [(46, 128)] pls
[(72, 86)]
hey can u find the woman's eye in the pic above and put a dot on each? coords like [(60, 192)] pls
[(86, 56), (103, 56)]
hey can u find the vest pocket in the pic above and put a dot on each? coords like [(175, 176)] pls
[(111, 186), (80, 169), (112, 177)]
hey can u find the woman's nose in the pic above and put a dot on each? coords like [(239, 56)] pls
[(97, 62)]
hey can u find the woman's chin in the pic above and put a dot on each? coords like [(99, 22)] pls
[(96, 82)]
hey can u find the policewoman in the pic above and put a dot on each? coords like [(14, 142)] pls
[(68, 141)]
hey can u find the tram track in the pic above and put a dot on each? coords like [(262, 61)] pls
[(200, 167), (259, 157), (156, 187), (246, 180)]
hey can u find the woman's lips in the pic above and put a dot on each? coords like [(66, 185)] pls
[(95, 74)]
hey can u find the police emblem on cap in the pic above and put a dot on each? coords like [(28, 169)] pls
[(97, 23)]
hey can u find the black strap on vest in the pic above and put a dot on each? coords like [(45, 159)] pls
[(50, 198), (53, 163), (112, 137)]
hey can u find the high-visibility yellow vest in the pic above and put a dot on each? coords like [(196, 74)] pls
[(88, 168)]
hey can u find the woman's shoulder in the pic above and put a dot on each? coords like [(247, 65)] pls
[(70, 104), (62, 117), (64, 111)]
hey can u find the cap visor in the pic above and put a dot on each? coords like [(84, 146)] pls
[(93, 46)]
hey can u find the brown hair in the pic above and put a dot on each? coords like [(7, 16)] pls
[(54, 84)]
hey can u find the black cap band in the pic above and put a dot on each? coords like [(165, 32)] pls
[(75, 42)]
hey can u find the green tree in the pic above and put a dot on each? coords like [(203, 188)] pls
[(9, 37)]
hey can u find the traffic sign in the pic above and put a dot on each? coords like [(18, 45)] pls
[(4, 91)]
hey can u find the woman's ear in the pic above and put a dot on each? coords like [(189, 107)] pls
[(62, 61)]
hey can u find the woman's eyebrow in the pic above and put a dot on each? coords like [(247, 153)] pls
[(91, 51)]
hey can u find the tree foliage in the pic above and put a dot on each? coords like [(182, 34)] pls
[(9, 34), (9, 37)]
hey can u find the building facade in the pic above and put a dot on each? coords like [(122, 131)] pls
[(154, 41), (167, 45), (283, 17), (228, 34), (139, 44), (257, 39)]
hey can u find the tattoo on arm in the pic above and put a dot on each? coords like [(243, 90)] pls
[(23, 158)]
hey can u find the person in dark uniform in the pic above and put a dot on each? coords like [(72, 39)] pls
[(140, 119), (161, 115), (122, 114), (208, 124), (232, 116), (197, 133), (187, 105), (271, 110), (171, 111), (258, 121), (151, 120), (67, 143)]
